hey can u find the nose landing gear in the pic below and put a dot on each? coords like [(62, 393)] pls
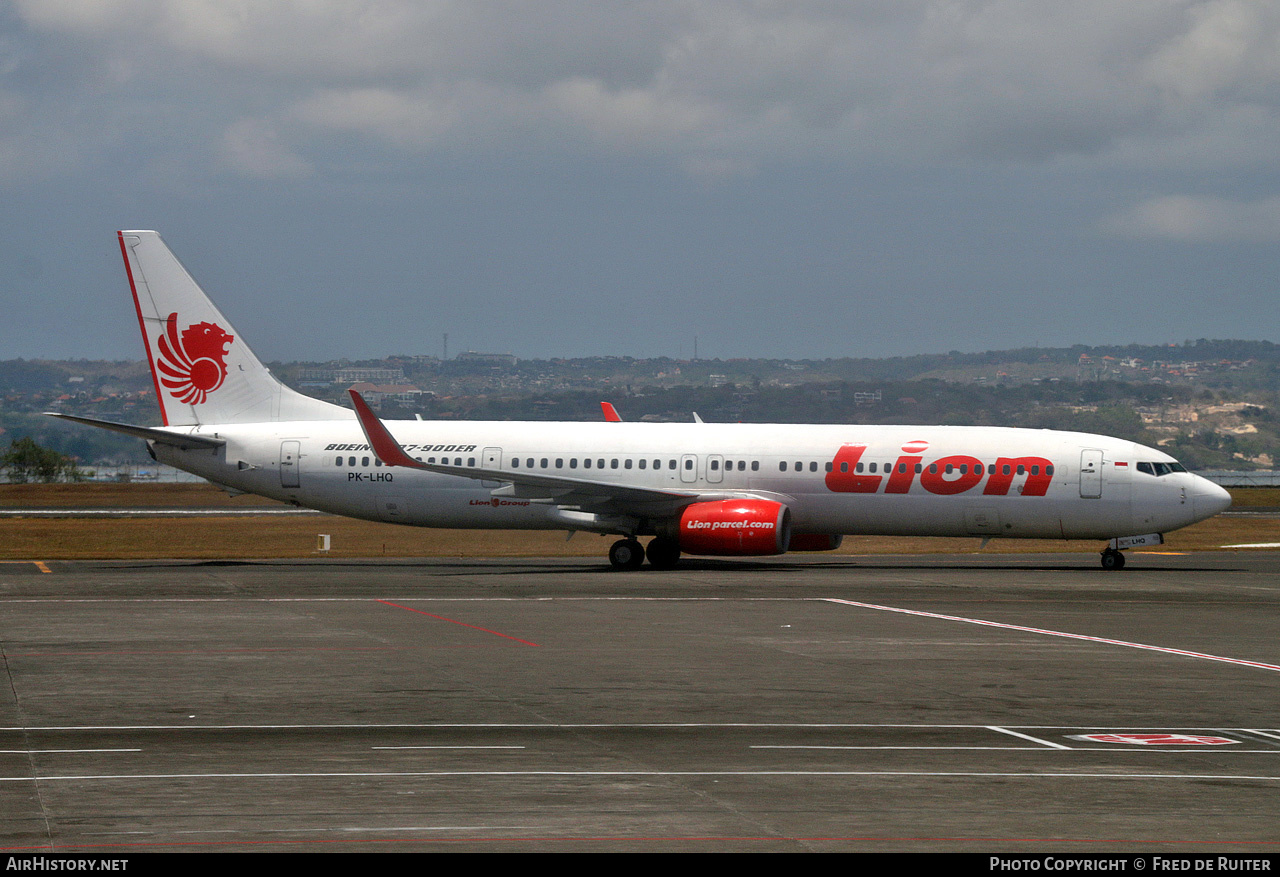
[(1112, 559)]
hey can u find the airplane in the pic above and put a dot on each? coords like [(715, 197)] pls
[(725, 490)]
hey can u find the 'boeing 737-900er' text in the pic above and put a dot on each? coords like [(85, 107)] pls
[(696, 488)]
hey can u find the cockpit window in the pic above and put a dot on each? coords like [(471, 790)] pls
[(1158, 469)]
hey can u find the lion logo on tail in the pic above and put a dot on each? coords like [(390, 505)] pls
[(194, 364)]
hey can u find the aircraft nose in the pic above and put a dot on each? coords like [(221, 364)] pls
[(1208, 499)]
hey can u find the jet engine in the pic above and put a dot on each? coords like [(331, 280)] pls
[(735, 528)]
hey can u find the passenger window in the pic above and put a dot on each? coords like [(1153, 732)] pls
[(351, 461), (813, 467), (586, 464), (873, 467), (742, 465), (573, 462), (688, 464), (627, 463), (782, 466), (755, 465), (599, 464), (515, 462), (671, 464), (643, 463), (364, 461), (338, 462), (715, 466), (559, 462)]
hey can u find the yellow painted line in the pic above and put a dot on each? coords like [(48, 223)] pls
[(1163, 553), (40, 566)]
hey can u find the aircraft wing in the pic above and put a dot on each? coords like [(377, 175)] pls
[(553, 489), (185, 441)]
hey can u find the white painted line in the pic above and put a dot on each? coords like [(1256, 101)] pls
[(603, 726), (1037, 630), (1255, 545), (1028, 737), (1272, 734), (638, 773)]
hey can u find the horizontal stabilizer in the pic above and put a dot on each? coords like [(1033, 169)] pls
[(184, 441)]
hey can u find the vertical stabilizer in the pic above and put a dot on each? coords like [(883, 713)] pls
[(203, 370)]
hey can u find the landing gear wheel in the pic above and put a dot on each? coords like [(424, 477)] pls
[(663, 553), (626, 554), (1112, 559)]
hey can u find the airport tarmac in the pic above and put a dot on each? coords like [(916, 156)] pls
[(1010, 703)]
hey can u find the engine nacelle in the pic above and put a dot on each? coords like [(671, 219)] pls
[(814, 542), (735, 528)]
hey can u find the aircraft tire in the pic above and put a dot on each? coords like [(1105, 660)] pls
[(626, 554), (1112, 559), (663, 553)]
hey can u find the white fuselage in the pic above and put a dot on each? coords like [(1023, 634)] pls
[(838, 479)]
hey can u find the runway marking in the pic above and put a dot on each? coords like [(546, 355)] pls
[(1027, 737), (607, 726), (640, 773), (1043, 632), (912, 748), (463, 623), (38, 564), (75, 654)]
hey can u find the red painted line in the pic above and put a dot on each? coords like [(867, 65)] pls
[(1093, 639), (81, 653), (463, 623)]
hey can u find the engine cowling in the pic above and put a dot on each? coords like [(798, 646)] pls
[(735, 528)]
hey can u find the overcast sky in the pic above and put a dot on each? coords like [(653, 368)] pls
[(552, 178)]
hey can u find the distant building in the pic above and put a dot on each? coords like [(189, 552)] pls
[(506, 359)]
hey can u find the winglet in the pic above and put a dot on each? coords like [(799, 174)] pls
[(610, 413), (382, 442)]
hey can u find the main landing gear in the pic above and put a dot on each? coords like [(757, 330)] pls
[(626, 554), (663, 553), (1112, 559)]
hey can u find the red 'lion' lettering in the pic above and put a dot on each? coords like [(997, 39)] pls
[(842, 478), (937, 478), (1038, 470)]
